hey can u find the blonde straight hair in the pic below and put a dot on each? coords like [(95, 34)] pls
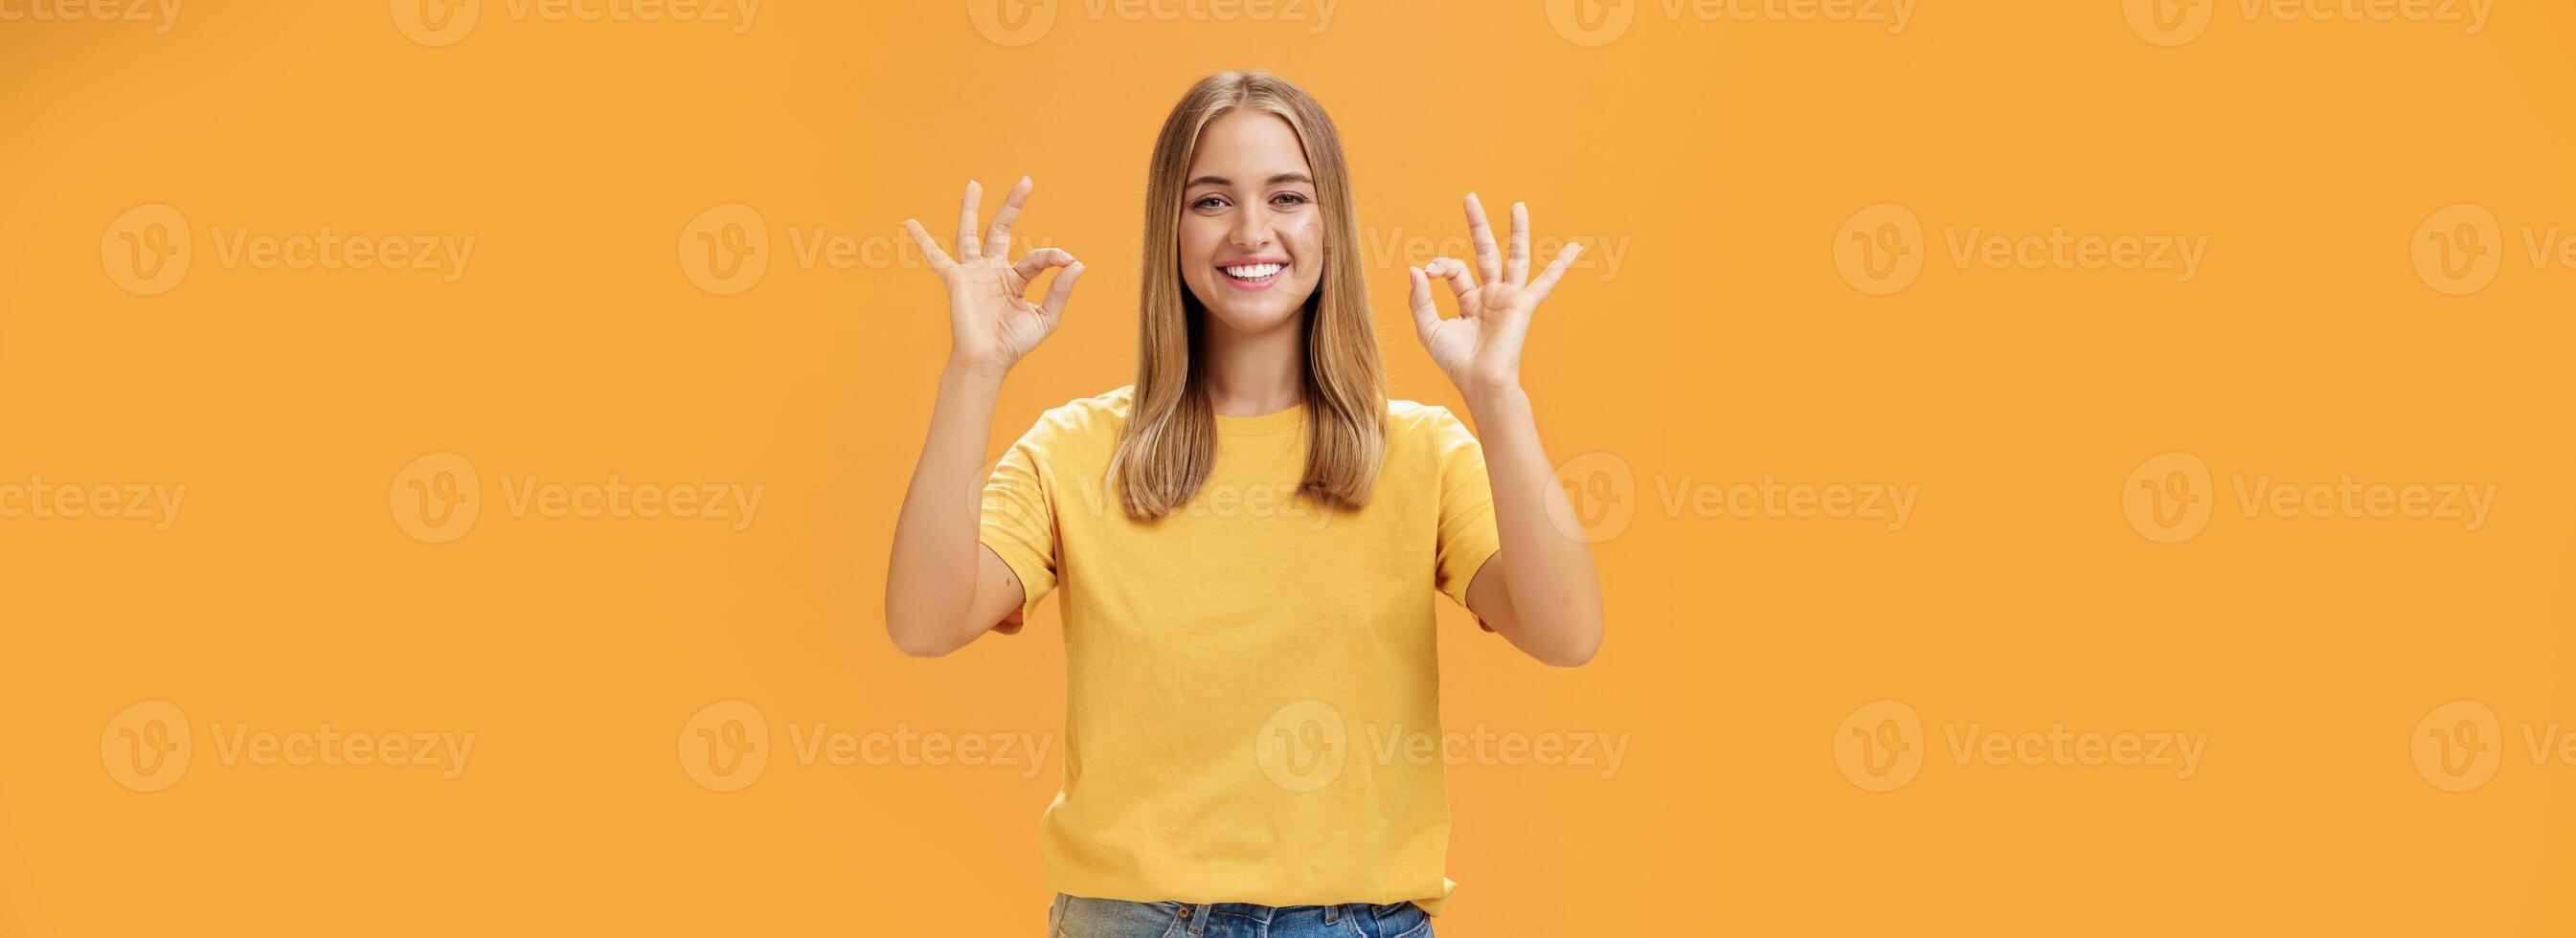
[(1169, 443)]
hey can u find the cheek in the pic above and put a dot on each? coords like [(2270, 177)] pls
[(1305, 238), (1198, 241)]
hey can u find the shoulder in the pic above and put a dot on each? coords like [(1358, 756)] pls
[(1111, 405), (1427, 425), (1084, 419)]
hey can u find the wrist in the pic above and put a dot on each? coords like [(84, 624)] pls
[(982, 374), (1488, 396)]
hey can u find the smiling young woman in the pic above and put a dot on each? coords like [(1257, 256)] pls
[(1218, 661)]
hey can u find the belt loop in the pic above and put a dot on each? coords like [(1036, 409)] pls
[(1332, 914)]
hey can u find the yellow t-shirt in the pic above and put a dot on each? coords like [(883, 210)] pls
[(1246, 678)]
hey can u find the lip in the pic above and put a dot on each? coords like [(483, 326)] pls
[(1261, 284)]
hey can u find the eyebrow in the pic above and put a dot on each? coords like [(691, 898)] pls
[(1274, 180)]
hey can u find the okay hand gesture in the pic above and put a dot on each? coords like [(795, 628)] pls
[(990, 320), (1480, 349)]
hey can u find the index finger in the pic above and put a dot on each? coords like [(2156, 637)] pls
[(997, 241), (930, 251), (1546, 282), (1489, 265), (1517, 268), (967, 208)]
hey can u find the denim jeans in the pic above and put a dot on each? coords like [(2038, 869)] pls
[(1075, 917)]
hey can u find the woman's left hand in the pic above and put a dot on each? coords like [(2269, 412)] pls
[(1480, 348)]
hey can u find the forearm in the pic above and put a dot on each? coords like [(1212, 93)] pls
[(1555, 591), (930, 574)]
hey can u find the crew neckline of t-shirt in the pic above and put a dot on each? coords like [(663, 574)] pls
[(1277, 421)]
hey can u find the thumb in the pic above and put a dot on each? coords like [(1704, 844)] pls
[(1426, 317), (1061, 290)]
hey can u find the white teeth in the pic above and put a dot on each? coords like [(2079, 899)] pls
[(1253, 271)]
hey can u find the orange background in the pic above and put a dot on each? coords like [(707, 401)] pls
[(1723, 154)]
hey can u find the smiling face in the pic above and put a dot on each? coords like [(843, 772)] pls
[(1251, 231)]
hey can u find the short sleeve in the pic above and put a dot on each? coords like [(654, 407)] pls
[(1467, 534), (1019, 517)]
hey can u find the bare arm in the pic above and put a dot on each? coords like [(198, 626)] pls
[(1541, 591), (1545, 597), (943, 588)]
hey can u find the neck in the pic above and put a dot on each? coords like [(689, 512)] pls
[(1251, 374)]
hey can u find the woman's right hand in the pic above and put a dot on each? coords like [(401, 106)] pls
[(991, 322)]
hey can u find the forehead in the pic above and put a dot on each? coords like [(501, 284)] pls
[(1248, 147)]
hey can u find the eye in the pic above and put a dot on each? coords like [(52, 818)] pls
[(1208, 202), (1290, 198)]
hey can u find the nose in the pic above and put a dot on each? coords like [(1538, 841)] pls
[(1251, 228)]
